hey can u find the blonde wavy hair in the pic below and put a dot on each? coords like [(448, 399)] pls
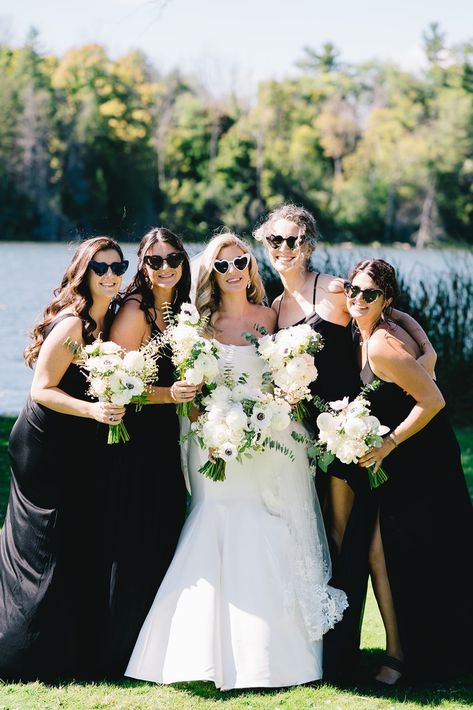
[(208, 294)]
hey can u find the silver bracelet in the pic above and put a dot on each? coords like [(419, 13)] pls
[(393, 439)]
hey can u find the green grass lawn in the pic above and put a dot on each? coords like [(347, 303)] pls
[(134, 695)]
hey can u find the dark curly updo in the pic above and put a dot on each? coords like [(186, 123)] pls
[(382, 273)]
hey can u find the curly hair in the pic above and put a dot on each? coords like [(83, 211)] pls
[(382, 273), (140, 283), (73, 293), (208, 294), (293, 213)]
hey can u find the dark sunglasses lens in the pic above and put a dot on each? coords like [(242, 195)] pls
[(275, 241), (98, 267), (292, 242), (221, 265), (371, 294), (155, 262), (175, 260), (241, 262), (119, 267)]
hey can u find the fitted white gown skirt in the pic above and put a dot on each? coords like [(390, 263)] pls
[(235, 605)]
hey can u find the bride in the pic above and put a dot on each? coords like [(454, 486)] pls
[(245, 602)]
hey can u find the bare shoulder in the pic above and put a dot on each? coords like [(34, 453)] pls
[(275, 304), (389, 341), (266, 317), (131, 309), (70, 327)]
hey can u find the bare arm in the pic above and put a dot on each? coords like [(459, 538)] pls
[(53, 361), (428, 358), (391, 361)]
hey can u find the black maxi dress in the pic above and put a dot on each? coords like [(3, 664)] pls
[(426, 521), (148, 515), (53, 587), (339, 376)]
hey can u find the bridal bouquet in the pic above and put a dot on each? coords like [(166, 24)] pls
[(194, 357), (289, 356), (347, 431), (238, 420), (117, 377)]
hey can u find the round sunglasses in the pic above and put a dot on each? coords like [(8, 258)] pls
[(275, 241), (369, 295), (239, 262), (101, 267), (155, 262)]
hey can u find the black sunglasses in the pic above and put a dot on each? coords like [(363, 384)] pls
[(101, 267), (369, 295), (239, 262), (275, 241), (155, 262)]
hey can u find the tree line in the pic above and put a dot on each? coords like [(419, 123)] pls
[(91, 145)]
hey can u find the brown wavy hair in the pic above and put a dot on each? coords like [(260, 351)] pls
[(140, 284), (72, 294)]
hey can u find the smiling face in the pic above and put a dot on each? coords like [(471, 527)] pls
[(358, 308), (165, 277), (233, 280), (108, 285), (283, 258)]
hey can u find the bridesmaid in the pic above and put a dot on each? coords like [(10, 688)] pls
[(422, 578), (53, 591), (151, 508), (289, 234)]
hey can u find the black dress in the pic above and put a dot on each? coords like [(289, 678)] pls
[(52, 578), (148, 512), (426, 521), (339, 376)]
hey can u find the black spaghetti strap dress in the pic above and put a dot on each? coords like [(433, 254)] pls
[(338, 376), (426, 521), (53, 592), (148, 515)]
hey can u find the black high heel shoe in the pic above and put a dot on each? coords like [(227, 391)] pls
[(396, 665)]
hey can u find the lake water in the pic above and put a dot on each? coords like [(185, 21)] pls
[(30, 271)]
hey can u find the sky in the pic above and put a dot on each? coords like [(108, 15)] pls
[(236, 43)]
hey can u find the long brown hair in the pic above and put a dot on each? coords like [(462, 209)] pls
[(72, 294), (140, 283)]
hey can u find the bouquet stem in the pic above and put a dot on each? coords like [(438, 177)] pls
[(183, 409), (378, 478), (214, 470), (299, 412), (117, 433)]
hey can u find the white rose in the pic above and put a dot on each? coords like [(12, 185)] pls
[(121, 398), (109, 348), (236, 418), (356, 427), (98, 386), (215, 434), (134, 361), (328, 423), (194, 375)]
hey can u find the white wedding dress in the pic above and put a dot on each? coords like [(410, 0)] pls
[(245, 602)]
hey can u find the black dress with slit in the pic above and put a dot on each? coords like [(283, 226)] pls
[(53, 586), (338, 376), (426, 522), (147, 516)]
